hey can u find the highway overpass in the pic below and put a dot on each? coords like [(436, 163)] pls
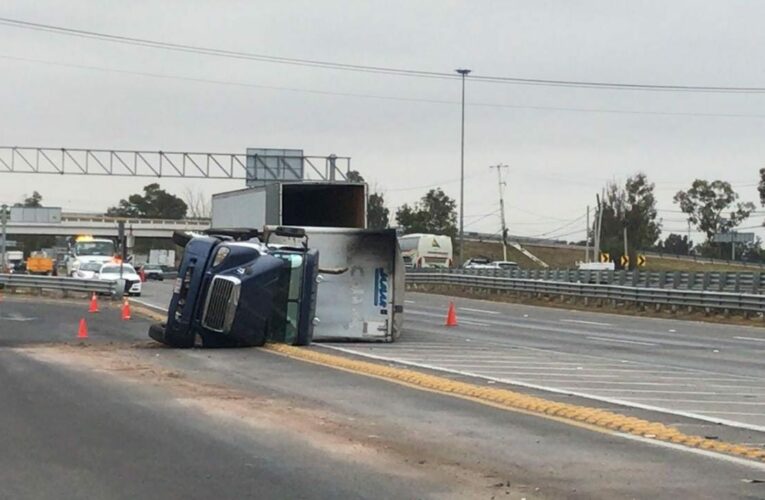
[(72, 224)]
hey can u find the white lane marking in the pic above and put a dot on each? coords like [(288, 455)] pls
[(482, 311), (149, 304), (472, 322), (750, 338), (422, 313), (554, 390), (657, 391), (552, 352), (16, 317), (409, 302), (696, 451), (582, 322), (701, 401), (736, 413), (532, 370), (611, 339)]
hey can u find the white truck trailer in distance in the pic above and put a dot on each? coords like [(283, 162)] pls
[(426, 250)]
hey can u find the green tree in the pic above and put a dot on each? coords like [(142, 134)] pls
[(632, 207), (377, 212), (354, 176), (705, 204), (435, 213), (676, 244), (155, 203), (34, 201)]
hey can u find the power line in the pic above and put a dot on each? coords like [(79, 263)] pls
[(195, 49), (436, 184), (482, 218), (232, 54), (564, 226), (567, 109)]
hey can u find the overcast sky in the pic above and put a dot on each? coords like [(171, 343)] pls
[(562, 144)]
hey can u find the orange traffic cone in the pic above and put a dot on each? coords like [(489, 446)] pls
[(82, 332), (93, 304), (126, 309), (451, 316)]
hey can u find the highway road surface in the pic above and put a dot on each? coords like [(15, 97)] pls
[(118, 416), (705, 371)]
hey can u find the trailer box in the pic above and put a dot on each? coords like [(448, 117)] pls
[(361, 288), (318, 204)]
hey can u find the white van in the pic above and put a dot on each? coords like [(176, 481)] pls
[(426, 250)]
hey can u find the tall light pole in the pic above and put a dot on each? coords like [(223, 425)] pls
[(464, 73), (3, 235)]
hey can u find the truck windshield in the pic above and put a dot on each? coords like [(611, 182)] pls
[(285, 325), (94, 248)]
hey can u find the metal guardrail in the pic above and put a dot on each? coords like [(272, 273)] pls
[(57, 283), (708, 300), (736, 282), (541, 242)]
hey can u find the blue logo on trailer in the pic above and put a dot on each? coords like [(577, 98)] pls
[(381, 287)]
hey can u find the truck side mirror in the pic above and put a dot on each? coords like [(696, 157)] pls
[(181, 239)]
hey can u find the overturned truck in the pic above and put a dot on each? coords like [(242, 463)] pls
[(307, 270)]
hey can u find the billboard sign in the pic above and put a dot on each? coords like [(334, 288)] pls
[(733, 237), (265, 166)]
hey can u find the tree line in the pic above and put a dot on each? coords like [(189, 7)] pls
[(710, 207)]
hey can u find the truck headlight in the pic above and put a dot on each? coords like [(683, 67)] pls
[(221, 255)]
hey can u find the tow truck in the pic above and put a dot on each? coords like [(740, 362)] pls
[(86, 248)]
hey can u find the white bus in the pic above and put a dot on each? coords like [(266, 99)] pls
[(426, 250)]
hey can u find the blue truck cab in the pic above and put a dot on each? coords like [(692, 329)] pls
[(233, 290)]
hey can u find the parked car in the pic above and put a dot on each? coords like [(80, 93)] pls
[(111, 272), (88, 270), (153, 272), (504, 264), (478, 263)]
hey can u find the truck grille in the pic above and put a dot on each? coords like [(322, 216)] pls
[(220, 306)]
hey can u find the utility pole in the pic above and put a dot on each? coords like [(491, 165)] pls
[(599, 222), (464, 73), (587, 238), (626, 250), (502, 184), (3, 216)]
